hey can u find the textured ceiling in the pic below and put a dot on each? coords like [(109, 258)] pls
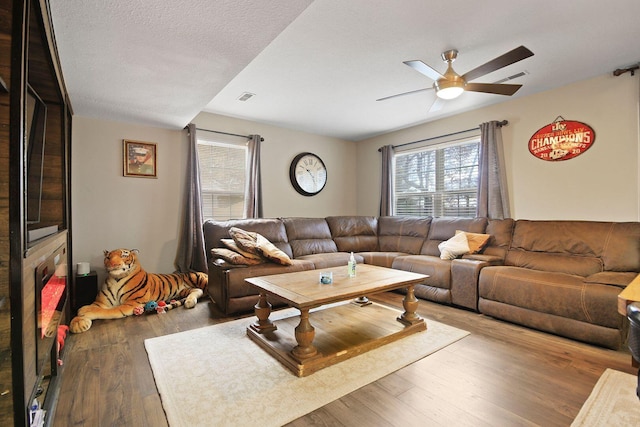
[(321, 68), (160, 62)]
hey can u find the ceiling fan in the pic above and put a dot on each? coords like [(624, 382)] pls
[(450, 85)]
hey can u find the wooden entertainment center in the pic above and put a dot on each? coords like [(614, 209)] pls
[(35, 226)]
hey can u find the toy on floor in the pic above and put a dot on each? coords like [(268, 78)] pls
[(129, 286), (159, 307)]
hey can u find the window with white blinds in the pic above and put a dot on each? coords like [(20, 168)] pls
[(222, 175), (437, 180)]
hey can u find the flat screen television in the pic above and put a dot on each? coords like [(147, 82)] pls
[(35, 131)]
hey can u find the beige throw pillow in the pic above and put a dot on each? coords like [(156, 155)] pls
[(246, 240), (257, 244), (234, 257), (271, 251), (231, 244), (476, 241)]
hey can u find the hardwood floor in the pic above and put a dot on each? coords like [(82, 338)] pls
[(501, 374)]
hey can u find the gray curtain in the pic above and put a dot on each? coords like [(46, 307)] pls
[(493, 197), (190, 254), (386, 190), (253, 186)]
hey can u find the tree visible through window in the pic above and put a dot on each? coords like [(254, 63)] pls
[(222, 176), (437, 181)]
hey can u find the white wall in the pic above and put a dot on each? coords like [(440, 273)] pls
[(110, 211), (279, 148), (600, 184)]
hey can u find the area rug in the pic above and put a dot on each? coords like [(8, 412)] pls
[(613, 402), (217, 376)]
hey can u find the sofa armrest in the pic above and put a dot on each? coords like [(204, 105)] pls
[(489, 259), (224, 265), (465, 274)]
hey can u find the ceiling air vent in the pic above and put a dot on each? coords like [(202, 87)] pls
[(246, 96), (515, 76)]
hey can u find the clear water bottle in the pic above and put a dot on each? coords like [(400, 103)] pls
[(351, 266)]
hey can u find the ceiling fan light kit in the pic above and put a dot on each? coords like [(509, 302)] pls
[(449, 89), (450, 85)]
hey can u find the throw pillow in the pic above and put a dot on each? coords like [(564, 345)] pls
[(271, 251), (234, 257), (257, 244), (476, 241), (231, 244), (246, 240), (455, 246)]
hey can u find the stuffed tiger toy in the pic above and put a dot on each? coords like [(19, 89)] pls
[(129, 286)]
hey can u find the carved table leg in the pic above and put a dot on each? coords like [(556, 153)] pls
[(361, 301), (305, 333), (263, 310), (410, 304)]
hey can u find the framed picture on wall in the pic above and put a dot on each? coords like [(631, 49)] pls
[(140, 159)]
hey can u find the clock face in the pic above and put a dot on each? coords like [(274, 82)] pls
[(308, 174)]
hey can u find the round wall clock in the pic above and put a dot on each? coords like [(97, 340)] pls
[(308, 174)]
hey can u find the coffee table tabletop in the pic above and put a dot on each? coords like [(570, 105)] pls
[(304, 290)]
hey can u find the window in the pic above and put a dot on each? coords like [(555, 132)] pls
[(222, 175), (437, 180)]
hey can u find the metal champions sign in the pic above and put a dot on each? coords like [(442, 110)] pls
[(561, 140)]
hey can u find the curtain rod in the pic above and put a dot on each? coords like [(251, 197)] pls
[(500, 124), (230, 134)]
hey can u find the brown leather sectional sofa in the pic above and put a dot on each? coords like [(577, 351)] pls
[(561, 277)]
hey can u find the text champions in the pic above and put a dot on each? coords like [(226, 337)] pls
[(561, 140)]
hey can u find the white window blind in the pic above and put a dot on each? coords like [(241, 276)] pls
[(222, 175), (439, 180)]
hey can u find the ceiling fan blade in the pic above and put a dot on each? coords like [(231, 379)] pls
[(423, 68), (517, 54), (498, 89), (437, 105), (405, 93)]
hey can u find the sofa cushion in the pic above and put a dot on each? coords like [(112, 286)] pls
[(438, 270), (572, 247), (381, 259), (354, 233), (559, 325), (402, 234), (309, 236), (553, 293), (622, 249), (586, 238), (444, 228), (328, 260), (501, 231), (554, 262)]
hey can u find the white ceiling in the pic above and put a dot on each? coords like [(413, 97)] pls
[(319, 66)]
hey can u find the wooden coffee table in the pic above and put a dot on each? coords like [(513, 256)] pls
[(344, 330)]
